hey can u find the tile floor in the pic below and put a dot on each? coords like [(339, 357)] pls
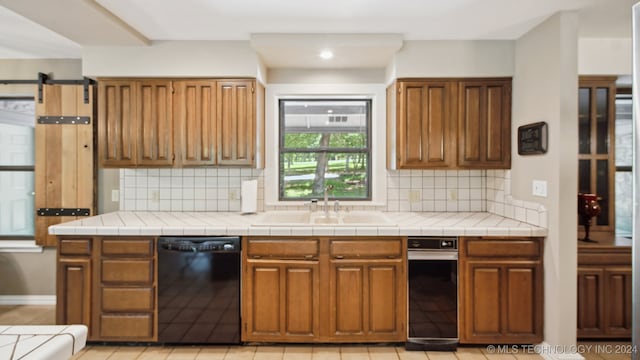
[(42, 315)]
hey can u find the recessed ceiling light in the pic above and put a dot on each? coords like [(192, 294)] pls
[(326, 54)]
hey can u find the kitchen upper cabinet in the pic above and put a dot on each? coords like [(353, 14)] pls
[(155, 123), (484, 124), (424, 124), (135, 123), (179, 122), (236, 119), (196, 111), (596, 149), (501, 290), (449, 124), (117, 123)]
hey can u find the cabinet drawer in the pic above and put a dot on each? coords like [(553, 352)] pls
[(502, 248), (604, 259), (281, 248), (127, 271), (127, 299), (126, 326), (388, 248), (75, 247), (127, 247)]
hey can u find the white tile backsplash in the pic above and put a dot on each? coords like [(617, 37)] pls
[(218, 189)]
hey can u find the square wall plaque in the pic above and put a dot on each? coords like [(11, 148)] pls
[(532, 138)]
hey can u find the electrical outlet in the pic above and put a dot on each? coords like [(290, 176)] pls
[(115, 195), (453, 194), (155, 196), (539, 188), (414, 196), (233, 194)]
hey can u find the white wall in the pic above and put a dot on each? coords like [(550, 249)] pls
[(454, 59), (544, 89), (604, 56), (174, 59)]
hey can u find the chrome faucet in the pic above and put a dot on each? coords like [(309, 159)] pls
[(326, 200)]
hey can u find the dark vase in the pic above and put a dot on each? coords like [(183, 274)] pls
[(588, 207)]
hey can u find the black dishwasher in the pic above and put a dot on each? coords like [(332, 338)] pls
[(199, 290)]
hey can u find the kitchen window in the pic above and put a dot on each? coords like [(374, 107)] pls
[(325, 144), (17, 128)]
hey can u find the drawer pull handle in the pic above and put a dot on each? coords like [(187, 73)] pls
[(339, 257), (308, 256), (257, 256), (391, 256)]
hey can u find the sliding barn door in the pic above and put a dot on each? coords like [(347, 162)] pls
[(64, 158)]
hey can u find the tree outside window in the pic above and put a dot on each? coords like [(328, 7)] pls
[(325, 143)]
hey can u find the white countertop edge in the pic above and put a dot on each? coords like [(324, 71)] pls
[(408, 224)]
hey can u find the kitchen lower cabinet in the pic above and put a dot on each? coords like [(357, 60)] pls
[(320, 289), (281, 299), (365, 300), (73, 284), (109, 285), (604, 292), (501, 290)]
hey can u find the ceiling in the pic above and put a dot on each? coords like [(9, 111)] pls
[(288, 33)]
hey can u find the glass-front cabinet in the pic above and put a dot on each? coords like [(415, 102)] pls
[(596, 148)]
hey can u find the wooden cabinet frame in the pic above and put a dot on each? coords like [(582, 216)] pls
[(604, 292), (449, 123), (180, 122), (322, 270), (501, 290)]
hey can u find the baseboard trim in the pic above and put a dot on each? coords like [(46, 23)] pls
[(558, 352), (27, 299)]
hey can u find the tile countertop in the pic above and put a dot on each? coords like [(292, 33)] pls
[(148, 223)]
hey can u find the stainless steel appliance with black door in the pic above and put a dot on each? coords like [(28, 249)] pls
[(199, 290), (433, 293)]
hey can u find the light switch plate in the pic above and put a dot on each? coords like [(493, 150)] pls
[(539, 188)]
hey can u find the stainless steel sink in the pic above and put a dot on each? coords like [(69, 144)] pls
[(306, 218)]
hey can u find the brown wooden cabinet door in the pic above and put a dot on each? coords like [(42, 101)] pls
[(590, 302), (73, 292), (236, 122), (117, 123), (617, 301), (280, 301), (155, 121), (484, 124), (481, 300), (195, 120), (366, 301), (64, 171), (502, 302), (425, 124)]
